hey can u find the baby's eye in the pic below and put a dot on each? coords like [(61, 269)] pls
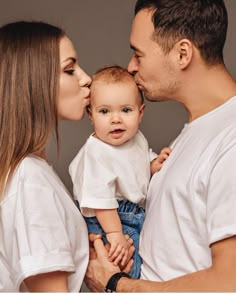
[(103, 111), (126, 109), (69, 71)]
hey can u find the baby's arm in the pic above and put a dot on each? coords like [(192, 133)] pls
[(156, 164), (110, 222)]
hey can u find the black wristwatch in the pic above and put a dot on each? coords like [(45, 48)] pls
[(112, 282)]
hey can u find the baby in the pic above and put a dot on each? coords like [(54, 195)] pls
[(112, 171)]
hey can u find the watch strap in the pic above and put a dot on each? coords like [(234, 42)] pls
[(112, 282)]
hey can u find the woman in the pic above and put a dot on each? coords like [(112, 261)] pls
[(43, 238)]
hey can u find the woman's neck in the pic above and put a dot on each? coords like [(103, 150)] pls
[(41, 154)]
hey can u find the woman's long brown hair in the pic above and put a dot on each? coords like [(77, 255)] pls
[(29, 80)]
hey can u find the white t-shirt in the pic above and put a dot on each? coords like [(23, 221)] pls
[(191, 202), (102, 173), (41, 229)]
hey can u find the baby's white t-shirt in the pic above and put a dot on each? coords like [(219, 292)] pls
[(102, 173), (41, 229)]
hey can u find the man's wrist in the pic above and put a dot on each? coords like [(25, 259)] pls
[(113, 281), (123, 285)]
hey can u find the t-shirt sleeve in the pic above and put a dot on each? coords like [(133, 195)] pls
[(221, 201), (40, 239), (142, 141), (152, 154), (94, 182)]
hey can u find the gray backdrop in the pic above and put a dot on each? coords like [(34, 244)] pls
[(100, 31)]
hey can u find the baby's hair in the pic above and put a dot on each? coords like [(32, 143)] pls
[(113, 74)]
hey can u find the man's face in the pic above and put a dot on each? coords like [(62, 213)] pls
[(154, 71)]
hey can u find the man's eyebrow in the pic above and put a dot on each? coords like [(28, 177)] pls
[(134, 48)]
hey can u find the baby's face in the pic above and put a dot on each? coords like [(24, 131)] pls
[(116, 111)]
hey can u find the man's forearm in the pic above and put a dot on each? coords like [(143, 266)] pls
[(220, 277), (202, 281)]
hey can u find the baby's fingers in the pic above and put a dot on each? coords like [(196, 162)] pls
[(112, 251), (117, 252), (122, 257), (125, 258), (166, 151)]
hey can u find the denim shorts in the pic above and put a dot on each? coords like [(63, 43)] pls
[(132, 217)]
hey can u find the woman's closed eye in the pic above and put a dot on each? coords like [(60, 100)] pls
[(69, 71)]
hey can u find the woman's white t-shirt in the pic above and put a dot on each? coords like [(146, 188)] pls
[(41, 229)]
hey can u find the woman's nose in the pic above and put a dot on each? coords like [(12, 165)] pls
[(84, 80)]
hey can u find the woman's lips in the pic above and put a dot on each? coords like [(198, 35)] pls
[(87, 100)]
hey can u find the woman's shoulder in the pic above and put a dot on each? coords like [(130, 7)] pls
[(34, 176), (33, 171), (33, 167)]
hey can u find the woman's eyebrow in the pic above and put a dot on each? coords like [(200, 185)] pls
[(73, 59)]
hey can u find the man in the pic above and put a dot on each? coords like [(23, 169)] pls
[(188, 239)]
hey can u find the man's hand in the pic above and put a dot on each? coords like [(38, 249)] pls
[(100, 269)]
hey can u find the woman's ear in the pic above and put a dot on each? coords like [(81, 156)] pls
[(185, 53), (141, 112)]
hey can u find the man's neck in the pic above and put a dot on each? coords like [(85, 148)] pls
[(207, 90)]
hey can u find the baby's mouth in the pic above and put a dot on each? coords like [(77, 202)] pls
[(117, 131)]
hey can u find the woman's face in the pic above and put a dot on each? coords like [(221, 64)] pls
[(73, 84)]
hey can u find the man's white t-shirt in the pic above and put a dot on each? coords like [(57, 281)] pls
[(191, 202), (41, 229), (102, 173)]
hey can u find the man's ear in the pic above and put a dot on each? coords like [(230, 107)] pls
[(141, 112), (185, 53)]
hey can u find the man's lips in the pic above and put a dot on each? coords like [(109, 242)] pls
[(140, 87)]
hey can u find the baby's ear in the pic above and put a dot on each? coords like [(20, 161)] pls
[(88, 109), (141, 111)]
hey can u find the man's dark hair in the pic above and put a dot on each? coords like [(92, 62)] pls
[(203, 22)]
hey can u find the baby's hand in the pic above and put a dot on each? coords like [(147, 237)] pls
[(156, 164), (119, 248)]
